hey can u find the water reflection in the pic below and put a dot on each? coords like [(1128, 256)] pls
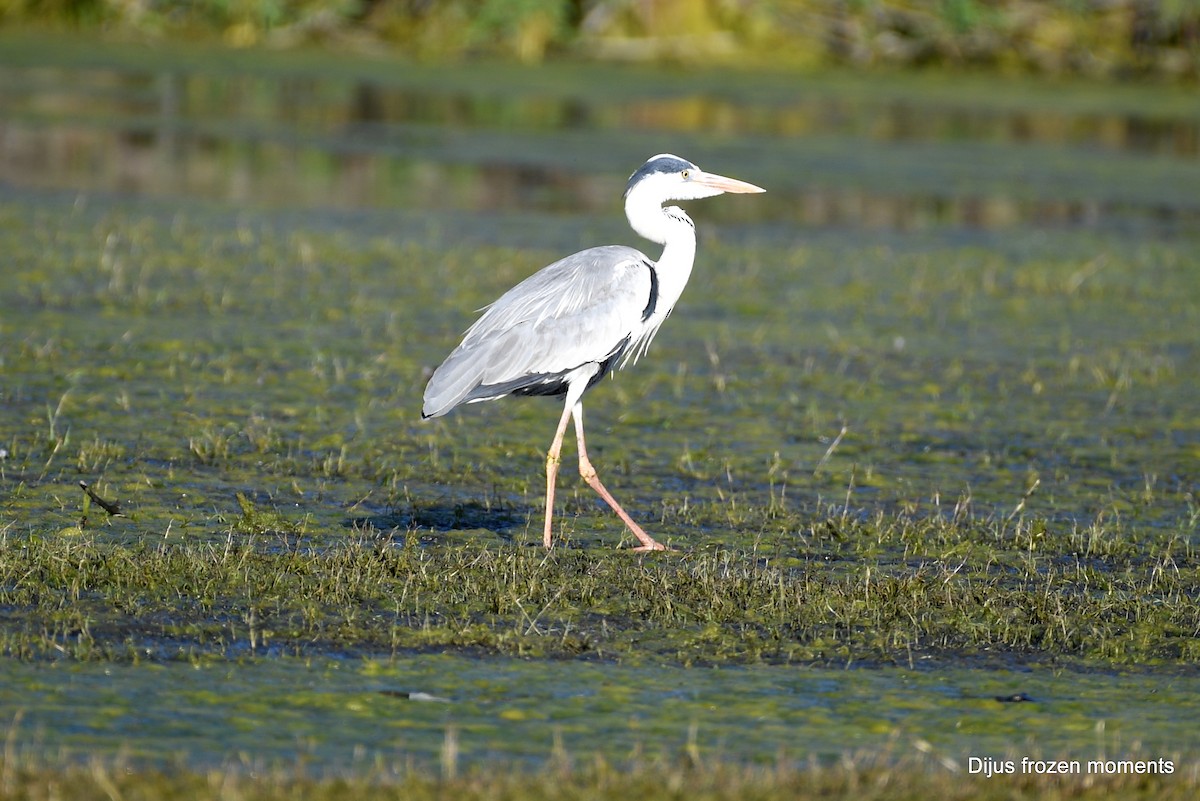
[(300, 139)]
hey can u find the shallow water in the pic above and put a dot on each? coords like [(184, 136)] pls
[(836, 150), (331, 716), (229, 276)]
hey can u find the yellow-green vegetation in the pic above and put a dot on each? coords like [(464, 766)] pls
[(857, 779), (1090, 37), (981, 465), (1005, 491), (883, 590)]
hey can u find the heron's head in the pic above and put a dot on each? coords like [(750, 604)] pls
[(666, 177)]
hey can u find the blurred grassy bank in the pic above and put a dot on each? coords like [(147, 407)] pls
[(1099, 38), (595, 779)]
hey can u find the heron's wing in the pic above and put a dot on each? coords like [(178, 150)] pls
[(584, 309)]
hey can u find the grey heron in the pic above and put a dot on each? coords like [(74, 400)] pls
[(568, 325)]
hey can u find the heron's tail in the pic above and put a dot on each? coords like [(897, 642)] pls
[(451, 383)]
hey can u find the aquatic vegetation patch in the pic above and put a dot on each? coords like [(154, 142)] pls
[(885, 452), (883, 591)]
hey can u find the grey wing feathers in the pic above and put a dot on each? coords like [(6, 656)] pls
[(586, 308)]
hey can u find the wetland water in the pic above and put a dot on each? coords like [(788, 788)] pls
[(227, 275), (333, 714)]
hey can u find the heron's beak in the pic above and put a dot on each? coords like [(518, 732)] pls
[(723, 184)]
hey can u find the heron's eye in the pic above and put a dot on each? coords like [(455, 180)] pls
[(687, 175)]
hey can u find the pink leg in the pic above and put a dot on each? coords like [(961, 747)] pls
[(552, 462), (589, 475)]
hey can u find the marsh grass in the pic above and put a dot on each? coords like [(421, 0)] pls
[(570, 776), (980, 466), (887, 590)]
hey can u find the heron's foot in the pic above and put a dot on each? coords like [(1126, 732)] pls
[(652, 545)]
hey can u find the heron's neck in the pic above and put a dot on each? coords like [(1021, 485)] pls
[(673, 229)]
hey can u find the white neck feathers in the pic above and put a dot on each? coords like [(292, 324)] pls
[(673, 229)]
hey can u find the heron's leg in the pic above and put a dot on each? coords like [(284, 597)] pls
[(552, 462), (589, 475)]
